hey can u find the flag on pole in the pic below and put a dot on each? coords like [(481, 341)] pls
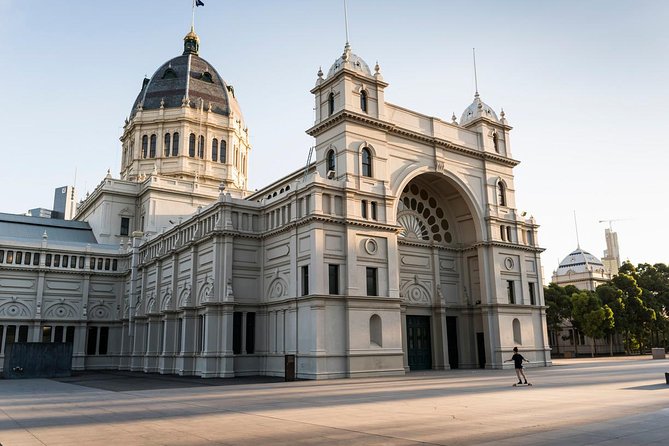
[(199, 3)]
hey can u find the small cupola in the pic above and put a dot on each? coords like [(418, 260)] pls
[(191, 43)]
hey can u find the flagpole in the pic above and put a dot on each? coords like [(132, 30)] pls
[(192, 23)]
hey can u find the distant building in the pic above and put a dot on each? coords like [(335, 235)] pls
[(586, 272), (64, 205), (582, 270), (611, 257)]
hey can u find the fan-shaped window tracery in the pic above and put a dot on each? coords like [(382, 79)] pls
[(421, 217)]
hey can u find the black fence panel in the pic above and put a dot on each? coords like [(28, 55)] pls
[(38, 360)]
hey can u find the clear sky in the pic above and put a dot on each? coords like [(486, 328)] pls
[(583, 83)]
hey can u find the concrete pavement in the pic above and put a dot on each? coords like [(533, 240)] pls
[(621, 401)]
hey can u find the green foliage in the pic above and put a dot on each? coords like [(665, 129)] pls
[(634, 304)]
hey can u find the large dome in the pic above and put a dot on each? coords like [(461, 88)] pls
[(477, 109), (186, 80), (579, 261)]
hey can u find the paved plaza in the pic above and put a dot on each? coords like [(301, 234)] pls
[(621, 401)]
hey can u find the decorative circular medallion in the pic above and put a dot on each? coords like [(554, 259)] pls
[(370, 246), (508, 263)]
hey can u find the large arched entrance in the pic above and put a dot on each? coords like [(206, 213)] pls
[(438, 272)]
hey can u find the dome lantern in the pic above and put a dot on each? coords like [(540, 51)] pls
[(191, 43)]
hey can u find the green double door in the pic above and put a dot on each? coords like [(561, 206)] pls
[(418, 343)]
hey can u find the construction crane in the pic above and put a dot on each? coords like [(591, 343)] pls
[(611, 221)]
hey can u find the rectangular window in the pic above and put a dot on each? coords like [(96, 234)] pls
[(180, 330), (107, 264), (92, 340), (26, 259), (104, 340), (161, 338), (66, 260), (305, 280), (125, 226), (23, 333), (36, 259), (237, 332), (73, 262), (2, 256), (508, 234), (56, 260), (69, 334), (47, 260), (307, 204), (92, 263), (510, 292), (58, 334), (11, 334), (10, 257), (532, 297), (530, 238), (373, 210), (250, 332), (99, 266), (200, 333), (19, 257), (333, 279), (46, 333), (502, 232), (372, 282), (82, 262), (363, 208)]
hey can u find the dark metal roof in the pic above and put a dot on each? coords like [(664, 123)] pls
[(189, 76), (32, 228)]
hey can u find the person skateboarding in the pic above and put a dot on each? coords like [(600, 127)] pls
[(518, 359)]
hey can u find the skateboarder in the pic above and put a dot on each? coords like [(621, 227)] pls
[(518, 359)]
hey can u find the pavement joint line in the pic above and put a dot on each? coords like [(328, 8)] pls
[(308, 424), (21, 426)]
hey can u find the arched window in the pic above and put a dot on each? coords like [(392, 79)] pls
[(200, 147), (191, 145), (214, 149), (175, 143), (517, 337), (366, 162), (206, 76), (331, 103), (169, 74), (330, 160), (501, 194), (495, 141), (166, 149), (363, 101), (152, 149), (375, 331), (145, 146), (223, 151)]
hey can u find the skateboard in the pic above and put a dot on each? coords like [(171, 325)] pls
[(521, 385)]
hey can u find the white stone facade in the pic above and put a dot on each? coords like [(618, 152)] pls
[(398, 248)]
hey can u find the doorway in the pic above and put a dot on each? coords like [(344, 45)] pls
[(452, 335), (418, 343)]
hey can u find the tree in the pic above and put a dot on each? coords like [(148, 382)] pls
[(612, 297), (638, 315), (592, 318), (558, 302)]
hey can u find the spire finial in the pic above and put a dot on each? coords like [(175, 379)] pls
[(476, 80), (346, 21), (578, 242)]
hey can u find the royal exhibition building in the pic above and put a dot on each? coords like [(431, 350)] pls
[(397, 248)]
